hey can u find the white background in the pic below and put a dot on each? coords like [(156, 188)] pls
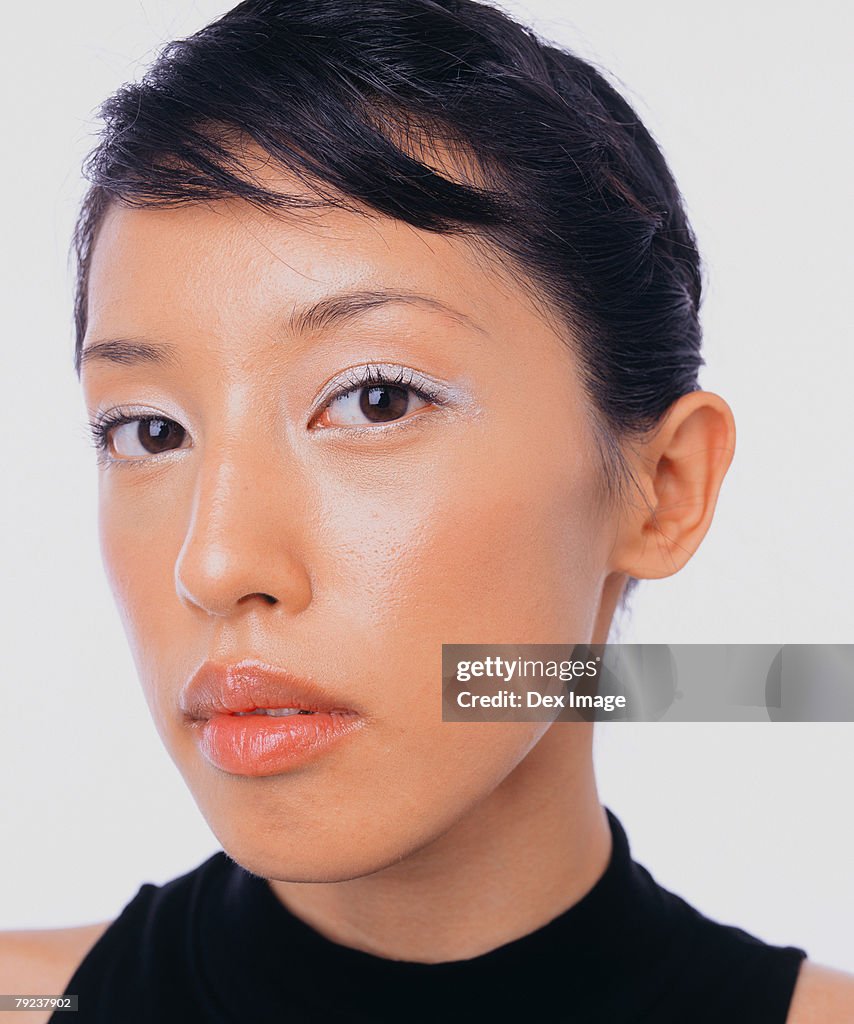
[(751, 822)]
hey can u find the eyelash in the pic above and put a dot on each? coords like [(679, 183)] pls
[(371, 374)]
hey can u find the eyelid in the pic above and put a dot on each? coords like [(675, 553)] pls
[(133, 411), (356, 377)]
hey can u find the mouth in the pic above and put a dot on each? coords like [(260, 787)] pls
[(252, 719), (275, 712)]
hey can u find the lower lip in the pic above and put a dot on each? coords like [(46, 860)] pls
[(268, 745)]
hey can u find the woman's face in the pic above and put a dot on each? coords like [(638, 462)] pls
[(278, 511)]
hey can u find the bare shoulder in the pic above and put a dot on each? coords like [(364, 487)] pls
[(822, 995), (42, 961)]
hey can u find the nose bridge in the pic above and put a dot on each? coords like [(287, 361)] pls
[(241, 534)]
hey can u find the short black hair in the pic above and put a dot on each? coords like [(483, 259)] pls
[(350, 95)]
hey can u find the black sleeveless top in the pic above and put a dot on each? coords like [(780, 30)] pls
[(217, 946)]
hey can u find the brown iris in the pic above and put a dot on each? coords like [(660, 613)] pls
[(160, 435), (384, 402)]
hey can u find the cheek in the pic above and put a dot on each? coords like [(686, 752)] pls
[(126, 556), (511, 562), (141, 531), (491, 541)]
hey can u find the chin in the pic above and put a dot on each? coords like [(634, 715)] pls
[(301, 840), (329, 856)]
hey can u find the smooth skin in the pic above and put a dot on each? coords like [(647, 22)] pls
[(289, 527)]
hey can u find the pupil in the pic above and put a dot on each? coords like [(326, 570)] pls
[(383, 403), (160, 435)]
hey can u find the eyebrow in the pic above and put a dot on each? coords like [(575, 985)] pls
[(335, 309), (325, 313), (127, 352)]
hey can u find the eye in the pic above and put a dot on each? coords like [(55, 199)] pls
[(123, 437), (376, 397), (376, 403)]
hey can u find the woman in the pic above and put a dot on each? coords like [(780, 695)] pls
[(388, 328)]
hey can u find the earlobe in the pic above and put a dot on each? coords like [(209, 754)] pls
[(678, 474)]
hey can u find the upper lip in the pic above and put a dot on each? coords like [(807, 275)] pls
[(227, 688)]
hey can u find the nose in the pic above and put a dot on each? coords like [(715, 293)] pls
[(240, 547)]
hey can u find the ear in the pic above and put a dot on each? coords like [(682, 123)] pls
[(678, 471)]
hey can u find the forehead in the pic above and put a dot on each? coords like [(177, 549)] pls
[(215, 260)]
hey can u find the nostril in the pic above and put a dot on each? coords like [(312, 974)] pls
[(267, 598)]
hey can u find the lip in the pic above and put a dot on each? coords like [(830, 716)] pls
[(217, 702)]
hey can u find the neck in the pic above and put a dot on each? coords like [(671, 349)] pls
[(529, 851)]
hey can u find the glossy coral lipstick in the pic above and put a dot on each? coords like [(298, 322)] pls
[(252, 719)]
